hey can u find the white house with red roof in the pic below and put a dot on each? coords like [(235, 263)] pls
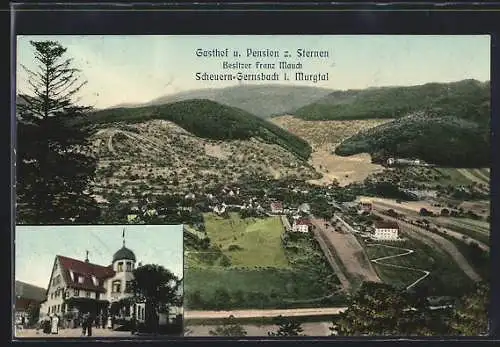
[(277, 207), (302, 225)]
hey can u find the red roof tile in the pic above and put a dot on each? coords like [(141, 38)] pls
[(277, 205), (303, 222), (86, 270)]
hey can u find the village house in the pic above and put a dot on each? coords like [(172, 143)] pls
[(190, 196), (365, 206), (220, 209), (28, 297), (301, 225), (387, 231), (304, 208), (277, 207)]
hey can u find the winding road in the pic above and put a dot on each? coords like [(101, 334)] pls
[(405, 253), (442, 243)]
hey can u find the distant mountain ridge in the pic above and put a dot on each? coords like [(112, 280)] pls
[(261, 100), (392, 102)]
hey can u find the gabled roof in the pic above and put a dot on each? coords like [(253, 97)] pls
[(303, 222), (386, 225), (87, 271), (277, 205), (28, 291)]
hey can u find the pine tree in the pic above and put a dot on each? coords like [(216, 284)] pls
[(55, 165)]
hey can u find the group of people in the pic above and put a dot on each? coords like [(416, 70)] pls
[(87, 322), (50, 325)]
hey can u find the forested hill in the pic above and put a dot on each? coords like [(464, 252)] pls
[(207, 119), (463, 99)]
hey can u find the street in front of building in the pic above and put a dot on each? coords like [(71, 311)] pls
[(73, 333)]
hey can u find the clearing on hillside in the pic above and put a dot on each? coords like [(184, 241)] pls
[(324, 136)]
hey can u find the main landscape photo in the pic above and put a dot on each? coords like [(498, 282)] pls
[(327, 185)]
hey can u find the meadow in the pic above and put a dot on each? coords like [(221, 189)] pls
[(445, 278), (250, 265)]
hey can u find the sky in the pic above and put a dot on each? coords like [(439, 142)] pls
[(37, 246), (136, 69)]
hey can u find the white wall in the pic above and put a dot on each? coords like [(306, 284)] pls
[(123, 277), (386, 234), (52, 300)]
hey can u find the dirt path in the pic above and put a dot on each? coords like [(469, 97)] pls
[(440, 241), (297, 312), (324, 244), (351, 253), (406, 252)]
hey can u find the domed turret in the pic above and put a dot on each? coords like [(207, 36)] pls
[(124, 254)]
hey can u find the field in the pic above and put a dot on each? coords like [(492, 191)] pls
[(445, 277), (256, 242), (248, 265), (476, 230)]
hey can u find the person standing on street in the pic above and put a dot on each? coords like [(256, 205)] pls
[(89, 324), (55, 325), (84, 324)]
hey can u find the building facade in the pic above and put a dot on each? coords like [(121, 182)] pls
[(386, 231), (77, 287), (277, 207), (302, 226)]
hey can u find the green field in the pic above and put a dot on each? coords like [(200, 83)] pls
[(248, 265), (466, 227), (446, 278), (258, 240), (452, 176)]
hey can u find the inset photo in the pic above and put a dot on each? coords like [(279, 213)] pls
[(98, 281)]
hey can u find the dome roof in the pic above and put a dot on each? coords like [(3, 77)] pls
[(124, 254)]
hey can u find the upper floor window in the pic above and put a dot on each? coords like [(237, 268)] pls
[(56, 280), (76, 292), (128, 287), (80, 279), (117, 286), (95, 281), (129, 266), (120, 267)]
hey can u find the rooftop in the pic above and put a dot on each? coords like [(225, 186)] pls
[(386, 225), (73, 268)]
